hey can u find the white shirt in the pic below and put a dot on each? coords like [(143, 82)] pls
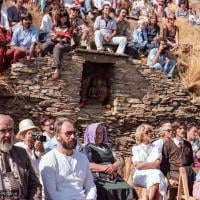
[(68, 3), (4, 17), (34, 161), (177, 142), (46, 24), (67, 177), (159, 143)]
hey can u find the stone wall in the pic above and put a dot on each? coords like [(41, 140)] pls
[(138, 94)]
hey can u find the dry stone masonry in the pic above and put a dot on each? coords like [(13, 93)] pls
[(137, 95)]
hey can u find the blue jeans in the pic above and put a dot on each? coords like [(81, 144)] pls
[(85, 9), (168, 68)]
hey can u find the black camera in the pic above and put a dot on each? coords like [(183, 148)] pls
[(38, 136)]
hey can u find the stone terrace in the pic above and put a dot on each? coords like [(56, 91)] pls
[(137, 94)]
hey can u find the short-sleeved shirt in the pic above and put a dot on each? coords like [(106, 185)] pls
[(123, 28), (152, 31), (25, 38), (106, 26), (181, 12), (152, 54), (14, 15)]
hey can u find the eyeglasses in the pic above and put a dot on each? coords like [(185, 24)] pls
[(70, 133), (169, 130), (6, 130)]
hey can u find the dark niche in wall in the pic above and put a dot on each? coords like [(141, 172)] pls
[(96, 83)]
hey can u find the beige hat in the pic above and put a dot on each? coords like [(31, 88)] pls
[(25, 125)]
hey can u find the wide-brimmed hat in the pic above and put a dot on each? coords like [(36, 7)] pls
[(24, 126)]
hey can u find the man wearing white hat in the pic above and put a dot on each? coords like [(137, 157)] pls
[(17, 177), (33, 147)]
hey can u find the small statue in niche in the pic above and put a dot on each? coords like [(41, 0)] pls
[(94, 87)]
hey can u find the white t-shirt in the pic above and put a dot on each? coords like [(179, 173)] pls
[(68, 3), (46, 24), (67, 177)]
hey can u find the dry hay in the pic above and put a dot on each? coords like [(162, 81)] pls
[(6, 86)]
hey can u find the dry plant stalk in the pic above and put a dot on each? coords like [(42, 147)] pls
[(7, 86)]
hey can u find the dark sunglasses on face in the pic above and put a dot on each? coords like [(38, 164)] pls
[(70, 133)]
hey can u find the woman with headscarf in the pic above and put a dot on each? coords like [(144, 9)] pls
[(104, 165)]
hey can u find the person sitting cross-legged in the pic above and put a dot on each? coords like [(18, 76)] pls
[(104, 166), (23, 42), (105, 31), (159, 58)]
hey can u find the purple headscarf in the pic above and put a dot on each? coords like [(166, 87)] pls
[(90, 133)]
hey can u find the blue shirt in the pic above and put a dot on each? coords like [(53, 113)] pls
[(140, 36), (105, 26), (152, 54), (25, 38), (51, 144)]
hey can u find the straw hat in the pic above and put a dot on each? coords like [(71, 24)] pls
[(25, 125)]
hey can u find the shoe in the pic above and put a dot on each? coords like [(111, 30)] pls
[(100, 49), (56, 74), (17, 66)]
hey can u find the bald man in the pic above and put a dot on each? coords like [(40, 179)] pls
[(18, 179)]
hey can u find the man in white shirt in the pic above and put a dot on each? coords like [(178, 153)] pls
[(165, 135), (105, 31), (65, 172)]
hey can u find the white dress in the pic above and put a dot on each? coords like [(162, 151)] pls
[(149, 177)]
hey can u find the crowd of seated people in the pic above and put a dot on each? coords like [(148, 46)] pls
[(71, 170), (69, 24)]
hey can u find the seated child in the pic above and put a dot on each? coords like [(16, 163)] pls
[(182, 10)]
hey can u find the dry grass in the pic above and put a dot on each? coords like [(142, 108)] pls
[(6, 86), (189, 68)]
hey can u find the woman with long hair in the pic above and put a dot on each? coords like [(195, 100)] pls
[(60, 41), (171, 32)]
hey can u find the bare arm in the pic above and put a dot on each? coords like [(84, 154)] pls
[(147, 165), (97, 167), (177, 36)]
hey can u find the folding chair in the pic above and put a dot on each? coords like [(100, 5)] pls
[(183, 191), (128, 168)]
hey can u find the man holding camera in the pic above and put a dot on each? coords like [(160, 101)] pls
[(31, 141), (158, 58)]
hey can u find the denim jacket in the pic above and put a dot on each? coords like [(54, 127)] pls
[(140, 37)]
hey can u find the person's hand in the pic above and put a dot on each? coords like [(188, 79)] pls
[(173, 182), (166, 60), (161, 47), (198, 154), (109, 169), (115, 167), (39, 146), (107, 38)]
